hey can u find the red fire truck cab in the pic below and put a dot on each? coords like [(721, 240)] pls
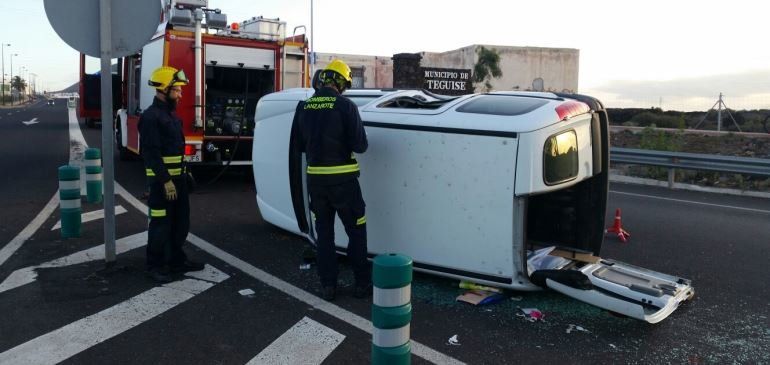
[(229, 71)]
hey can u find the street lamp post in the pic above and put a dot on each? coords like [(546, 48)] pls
[(22, 78), (11, 58), (2, 53)]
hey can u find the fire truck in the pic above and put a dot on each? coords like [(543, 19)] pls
[(230, 67)]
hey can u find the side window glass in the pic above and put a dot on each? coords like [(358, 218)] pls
[(560, 158)]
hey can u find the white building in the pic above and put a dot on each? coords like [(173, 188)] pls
[(523, 68)]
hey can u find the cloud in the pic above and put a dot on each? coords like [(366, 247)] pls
[(745, 90)]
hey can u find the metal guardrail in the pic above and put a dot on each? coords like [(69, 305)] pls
[(691, 161)]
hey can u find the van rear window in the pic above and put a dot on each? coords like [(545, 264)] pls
[(501, 105)]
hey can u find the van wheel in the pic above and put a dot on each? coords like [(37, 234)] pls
[(124, 154)]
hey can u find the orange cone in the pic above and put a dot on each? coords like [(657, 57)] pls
[(617, 228)]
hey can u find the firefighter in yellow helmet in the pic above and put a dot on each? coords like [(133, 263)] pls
[(162, 148), (328, 129)]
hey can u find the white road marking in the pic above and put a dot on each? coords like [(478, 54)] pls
[(65, 342), (307, 342), (29, 230), (78, 146), (692, 202), (351, 318), (30, 122), (92, 216), (28, 275)]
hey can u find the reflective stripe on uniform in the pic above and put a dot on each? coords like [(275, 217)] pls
[(361, 221), (331, 170), (157, 213), (175, 172), (172, 159), (171, 172)]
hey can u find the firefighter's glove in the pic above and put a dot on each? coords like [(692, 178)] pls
[(170, 190)]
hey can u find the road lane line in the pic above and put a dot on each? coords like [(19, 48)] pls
[(692, 202), (28, 275), (78, 146), (92, 216), (351, 318), (65, 342), (307, 342), (29, 230)]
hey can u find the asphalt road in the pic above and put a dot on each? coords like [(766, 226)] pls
[(720, 242)]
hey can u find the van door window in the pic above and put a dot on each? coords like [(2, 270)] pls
[(560, 158)]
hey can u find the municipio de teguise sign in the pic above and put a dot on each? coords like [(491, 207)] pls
[(447, 81)]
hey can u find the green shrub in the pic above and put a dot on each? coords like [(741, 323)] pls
[(661, 120)]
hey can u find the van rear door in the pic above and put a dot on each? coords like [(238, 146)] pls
[(619, 287)]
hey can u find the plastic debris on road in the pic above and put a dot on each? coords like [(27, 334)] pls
[(474, 286), (246, 292), (453, 341), (531, 314), (576, 328), (479, 297), (517, 298), (304, 267)]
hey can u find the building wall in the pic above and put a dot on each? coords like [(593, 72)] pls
[(377, 70), (521, 66)]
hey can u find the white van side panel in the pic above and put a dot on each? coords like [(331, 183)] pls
[(430, 191), (270, 157)]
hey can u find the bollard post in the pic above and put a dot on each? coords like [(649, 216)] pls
[(69, 200), (93, 164), (391, 309)]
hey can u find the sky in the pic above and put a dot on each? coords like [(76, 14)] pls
[(673, 54)]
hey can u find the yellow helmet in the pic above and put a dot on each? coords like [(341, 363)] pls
[(164, 77), (341, 69)]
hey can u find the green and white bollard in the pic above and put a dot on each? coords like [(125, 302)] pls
[(391, 309), (69, 201), (93, 164)]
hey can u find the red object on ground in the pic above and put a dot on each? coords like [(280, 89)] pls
[(617, 228)]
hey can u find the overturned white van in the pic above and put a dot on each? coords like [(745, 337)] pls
[(470, 187)]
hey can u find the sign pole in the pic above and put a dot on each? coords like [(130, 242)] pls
[(105, 32)]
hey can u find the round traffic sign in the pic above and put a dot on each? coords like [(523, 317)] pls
[(133, 23)]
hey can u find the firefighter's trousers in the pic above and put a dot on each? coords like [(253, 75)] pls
[(346, 201), (169, 224)]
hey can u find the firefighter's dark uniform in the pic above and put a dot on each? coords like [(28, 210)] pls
[(162, 148), (329, 129)]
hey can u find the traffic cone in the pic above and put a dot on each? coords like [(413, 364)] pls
[(617, 228)]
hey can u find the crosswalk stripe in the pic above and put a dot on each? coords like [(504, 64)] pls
[(351, 318), (307, 342), (29, 230), (67, 341), (27, 275), (92, 216)]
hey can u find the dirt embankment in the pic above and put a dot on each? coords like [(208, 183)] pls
[(729, 144)]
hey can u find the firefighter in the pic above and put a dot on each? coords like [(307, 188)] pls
[(162, 148), (328, 128)]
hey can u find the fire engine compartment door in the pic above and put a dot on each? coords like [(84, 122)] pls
[(636, 292), (240, 57)]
